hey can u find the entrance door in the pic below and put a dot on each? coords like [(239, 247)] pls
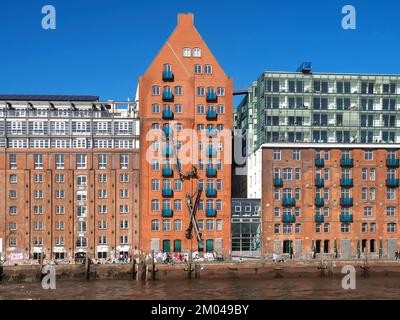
[(391, 248), (166, 245), (177, 246), (345, 249), (326, 246), (372, 246), (210, 245)]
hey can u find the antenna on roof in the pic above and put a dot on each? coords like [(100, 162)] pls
[(305, 67)]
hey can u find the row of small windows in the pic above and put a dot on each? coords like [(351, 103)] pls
[(179, 127), (60, 194), (287, 228), (178, 90), (345, 154), (81, 242), (320, 103), (81, 226), (178, 108), (76, 143), (166, 184), (322, 86), (211, 225), (81, 161), (166, 204), (189, 52)]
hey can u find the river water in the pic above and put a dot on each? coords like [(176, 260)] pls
[(232, 289)]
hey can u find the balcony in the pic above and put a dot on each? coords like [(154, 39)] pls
[(393, 183), (211, 192), (167, 172), (211, 97), (319, 218), (211, 172), (319, 183), (167, 76), (278, 182), (346, 183), (211, 213), (319, 202), (319, 162), (167, 192), (289, 202), (167, 96), (167, 131), (167, 151), (211, 115), (211, 152), (167, 115), (393, 163), (346, 202), (288, 218), (211, 132), (347, 162), (167, 213), (345, 217)]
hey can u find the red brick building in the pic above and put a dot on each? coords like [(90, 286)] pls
[(331, 199), (185, 110)]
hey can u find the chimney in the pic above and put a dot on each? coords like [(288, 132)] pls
[(186, 19)]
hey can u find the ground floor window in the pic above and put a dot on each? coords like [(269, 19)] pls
[(59, 255), (102, 255), (201, 246), (37, 255)]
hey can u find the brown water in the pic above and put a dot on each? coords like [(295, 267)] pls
[(281, 289)]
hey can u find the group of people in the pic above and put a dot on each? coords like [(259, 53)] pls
[(165, 257)]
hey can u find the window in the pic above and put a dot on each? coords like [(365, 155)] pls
[(124, 178), (368, 155), (81, 211), (81, 161), (60, 225), (287, 228), (13, 194), (209, 225), (327, 227), (81, 242), (296, 154), (60, 194), (208, 69), (59, 161), (124, 209), (155, 108), (81, 181), (197, 69), (124, 161), (178, 108), (166, 225), (124, 193), (318, 228), (367, 212), (196, 52), (297, 174), (219, 225), (201, 91), (102, 225), (287, 174), (13, 178), (391, 227), (13, 161), (60, 178), (155, 205), (277, 228), (277, 154), (37, 225), (60, 210), (391, 211), (178, 205), (13, 242), (187, 52), (38, 161), (220, 91), (372, 227), (38, 194), (390, 194), (155, 90), (345, 228), (178, 225), (102, 209), (155, 225), (102, 161), (102, 240)]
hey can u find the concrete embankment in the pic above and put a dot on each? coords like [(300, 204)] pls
[(221, 270)]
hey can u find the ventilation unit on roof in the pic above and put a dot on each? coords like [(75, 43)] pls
[(305, 67)]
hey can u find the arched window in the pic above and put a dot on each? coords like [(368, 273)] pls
[(187, 52), (196, 52)]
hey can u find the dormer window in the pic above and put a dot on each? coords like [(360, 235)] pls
[(208, 69), (197, 52), (187, 52)]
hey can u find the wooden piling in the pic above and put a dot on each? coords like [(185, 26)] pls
[(87, 267)]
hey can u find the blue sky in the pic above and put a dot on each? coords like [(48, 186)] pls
[(100, 47)]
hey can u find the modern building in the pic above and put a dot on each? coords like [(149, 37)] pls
[(186, 119), (322, 153), (69, 171), (246, 228)]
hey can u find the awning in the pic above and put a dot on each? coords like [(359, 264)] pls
[(102, 248), (123, 248), (58, 249)]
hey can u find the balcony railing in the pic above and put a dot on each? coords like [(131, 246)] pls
[(289, 202), (346, 183), (319, 218), (211, 213), (319, 162), (211, 152), (345, 217), (167, 114), (211, 132), (211, 97), (393, 183), (393, 163), (319, 202), (278, 182), (211, 115), (211, 192), (211, 172), (167, 96), (288, 218), (167, 192), (346, 202), (347, 162), (167, 76), (319, 183), (167, 213), (167, 172)]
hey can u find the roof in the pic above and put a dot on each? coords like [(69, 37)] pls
[(29, 97)]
